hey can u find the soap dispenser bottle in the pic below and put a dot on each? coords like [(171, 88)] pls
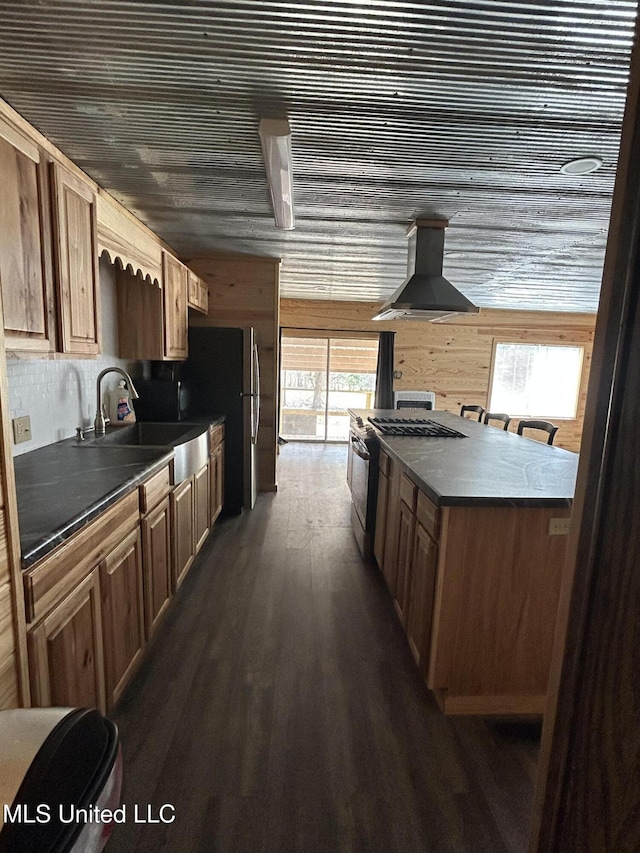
[(120, 409)]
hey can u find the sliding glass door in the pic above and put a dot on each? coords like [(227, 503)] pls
[(322, 377)]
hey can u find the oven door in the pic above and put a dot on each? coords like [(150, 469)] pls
[(360, 462)]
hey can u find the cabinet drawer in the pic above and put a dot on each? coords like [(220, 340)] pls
[(154, 490), (384, 463), (216, 437), (48, 580), (408, 490), (428, 515)]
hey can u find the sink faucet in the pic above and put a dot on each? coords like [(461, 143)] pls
[(100, 422)]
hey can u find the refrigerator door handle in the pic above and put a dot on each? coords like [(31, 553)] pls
[(256, 408)]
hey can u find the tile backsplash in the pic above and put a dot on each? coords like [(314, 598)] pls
[(60, 395)]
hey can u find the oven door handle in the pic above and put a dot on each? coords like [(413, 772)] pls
[(360, 448)]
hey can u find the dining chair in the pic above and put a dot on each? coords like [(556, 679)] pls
[(503, 417), (476, 410), (547, 426)]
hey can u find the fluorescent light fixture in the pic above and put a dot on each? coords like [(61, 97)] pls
[(275, 136)]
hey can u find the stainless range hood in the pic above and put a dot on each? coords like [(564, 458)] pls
[(425, 294)]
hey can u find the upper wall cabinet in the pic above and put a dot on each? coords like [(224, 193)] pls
[(76, 251), (198, 295), (152, 321), (175, 307), (25, 267)]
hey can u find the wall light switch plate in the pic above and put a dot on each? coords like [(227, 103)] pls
[(559, 526), (21, 429)]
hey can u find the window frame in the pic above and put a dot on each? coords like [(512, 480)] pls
[(538, 343)]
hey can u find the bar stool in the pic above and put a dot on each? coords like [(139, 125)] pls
[(503, 417), (547, 426), (477, 410)]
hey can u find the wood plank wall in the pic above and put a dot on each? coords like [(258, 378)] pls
[(454, 358), (244, 291)]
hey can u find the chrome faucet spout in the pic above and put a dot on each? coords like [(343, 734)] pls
[(100, 422)]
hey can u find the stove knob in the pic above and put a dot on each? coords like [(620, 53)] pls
[(359, 422)]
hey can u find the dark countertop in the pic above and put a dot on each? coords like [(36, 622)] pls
[(63, 486), (488, 467)]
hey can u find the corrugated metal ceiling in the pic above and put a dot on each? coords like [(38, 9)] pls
[(398, 109)]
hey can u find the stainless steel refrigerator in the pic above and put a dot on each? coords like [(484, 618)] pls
[(223, 376)]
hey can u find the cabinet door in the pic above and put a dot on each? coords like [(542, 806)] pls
[(122, 613), (392, 525), (74, 216), (175, 308), (65, 651), (381, 518), (423, 580), (156, 553), (182, 529), (198, 296), (216, 488), (24, 259), (201, 501), (405, 552)]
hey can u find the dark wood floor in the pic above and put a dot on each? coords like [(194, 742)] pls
[(279, 709)]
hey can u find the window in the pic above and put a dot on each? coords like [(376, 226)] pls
[(321, 378), (535, 380)]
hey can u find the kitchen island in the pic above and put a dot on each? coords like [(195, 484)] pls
[(470, 536)]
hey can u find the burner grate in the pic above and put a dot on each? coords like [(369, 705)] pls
[(414, 426)]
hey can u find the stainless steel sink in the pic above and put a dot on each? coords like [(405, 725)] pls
[(189, 442)]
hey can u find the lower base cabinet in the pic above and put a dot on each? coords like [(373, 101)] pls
[(65, 651), (92, 603), (122, 614), (424, 565), (216, 482), (201, 512), (477, 590), (182, 524), (157, 563)]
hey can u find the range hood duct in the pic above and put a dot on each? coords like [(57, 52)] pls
[(426, 294)]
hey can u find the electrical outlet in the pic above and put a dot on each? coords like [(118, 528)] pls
[(21, 429), (559, 526)]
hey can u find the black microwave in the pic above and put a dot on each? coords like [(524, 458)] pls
[(161, 400)]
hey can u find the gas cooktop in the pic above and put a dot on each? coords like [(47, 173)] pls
[(414, 426)]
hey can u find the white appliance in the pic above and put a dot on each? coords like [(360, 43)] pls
[(414, 400)]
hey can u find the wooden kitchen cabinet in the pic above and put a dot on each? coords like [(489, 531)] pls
[(152, 320), (424, 565), (76, 256), (122, 614), (201, 512), (182, 525), (25, 256), (392, 526), (216, 472), (197, 293), (382, 507), (175, 307), (406, 528), (157, 563), (65, 651)]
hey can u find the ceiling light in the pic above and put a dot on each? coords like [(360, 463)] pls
[(581, 166), (275, 136)]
